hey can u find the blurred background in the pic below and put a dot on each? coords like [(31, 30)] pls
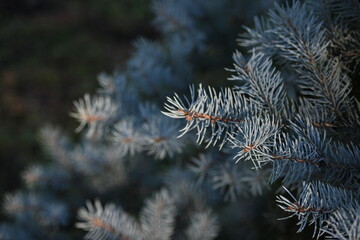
[(51, 52)]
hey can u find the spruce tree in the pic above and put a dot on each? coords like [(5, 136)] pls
[(214, 163)]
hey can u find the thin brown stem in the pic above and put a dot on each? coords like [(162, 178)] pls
[(190, 115), (301, 209), (96, 222), (298, 160)]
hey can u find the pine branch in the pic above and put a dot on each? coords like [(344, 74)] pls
[(93, 112), (158, 217), (316, 203), (344, 224), (203, 226), (260, 81), (108, 222), (221, 112), (254, 139), (306, 46)]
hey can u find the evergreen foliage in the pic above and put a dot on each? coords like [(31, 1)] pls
[(299, 137), (283, 127)]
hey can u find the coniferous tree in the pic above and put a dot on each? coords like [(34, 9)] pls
[(288, 123), (291, 112)]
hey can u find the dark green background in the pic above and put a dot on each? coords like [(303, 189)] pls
[(50, 54)]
